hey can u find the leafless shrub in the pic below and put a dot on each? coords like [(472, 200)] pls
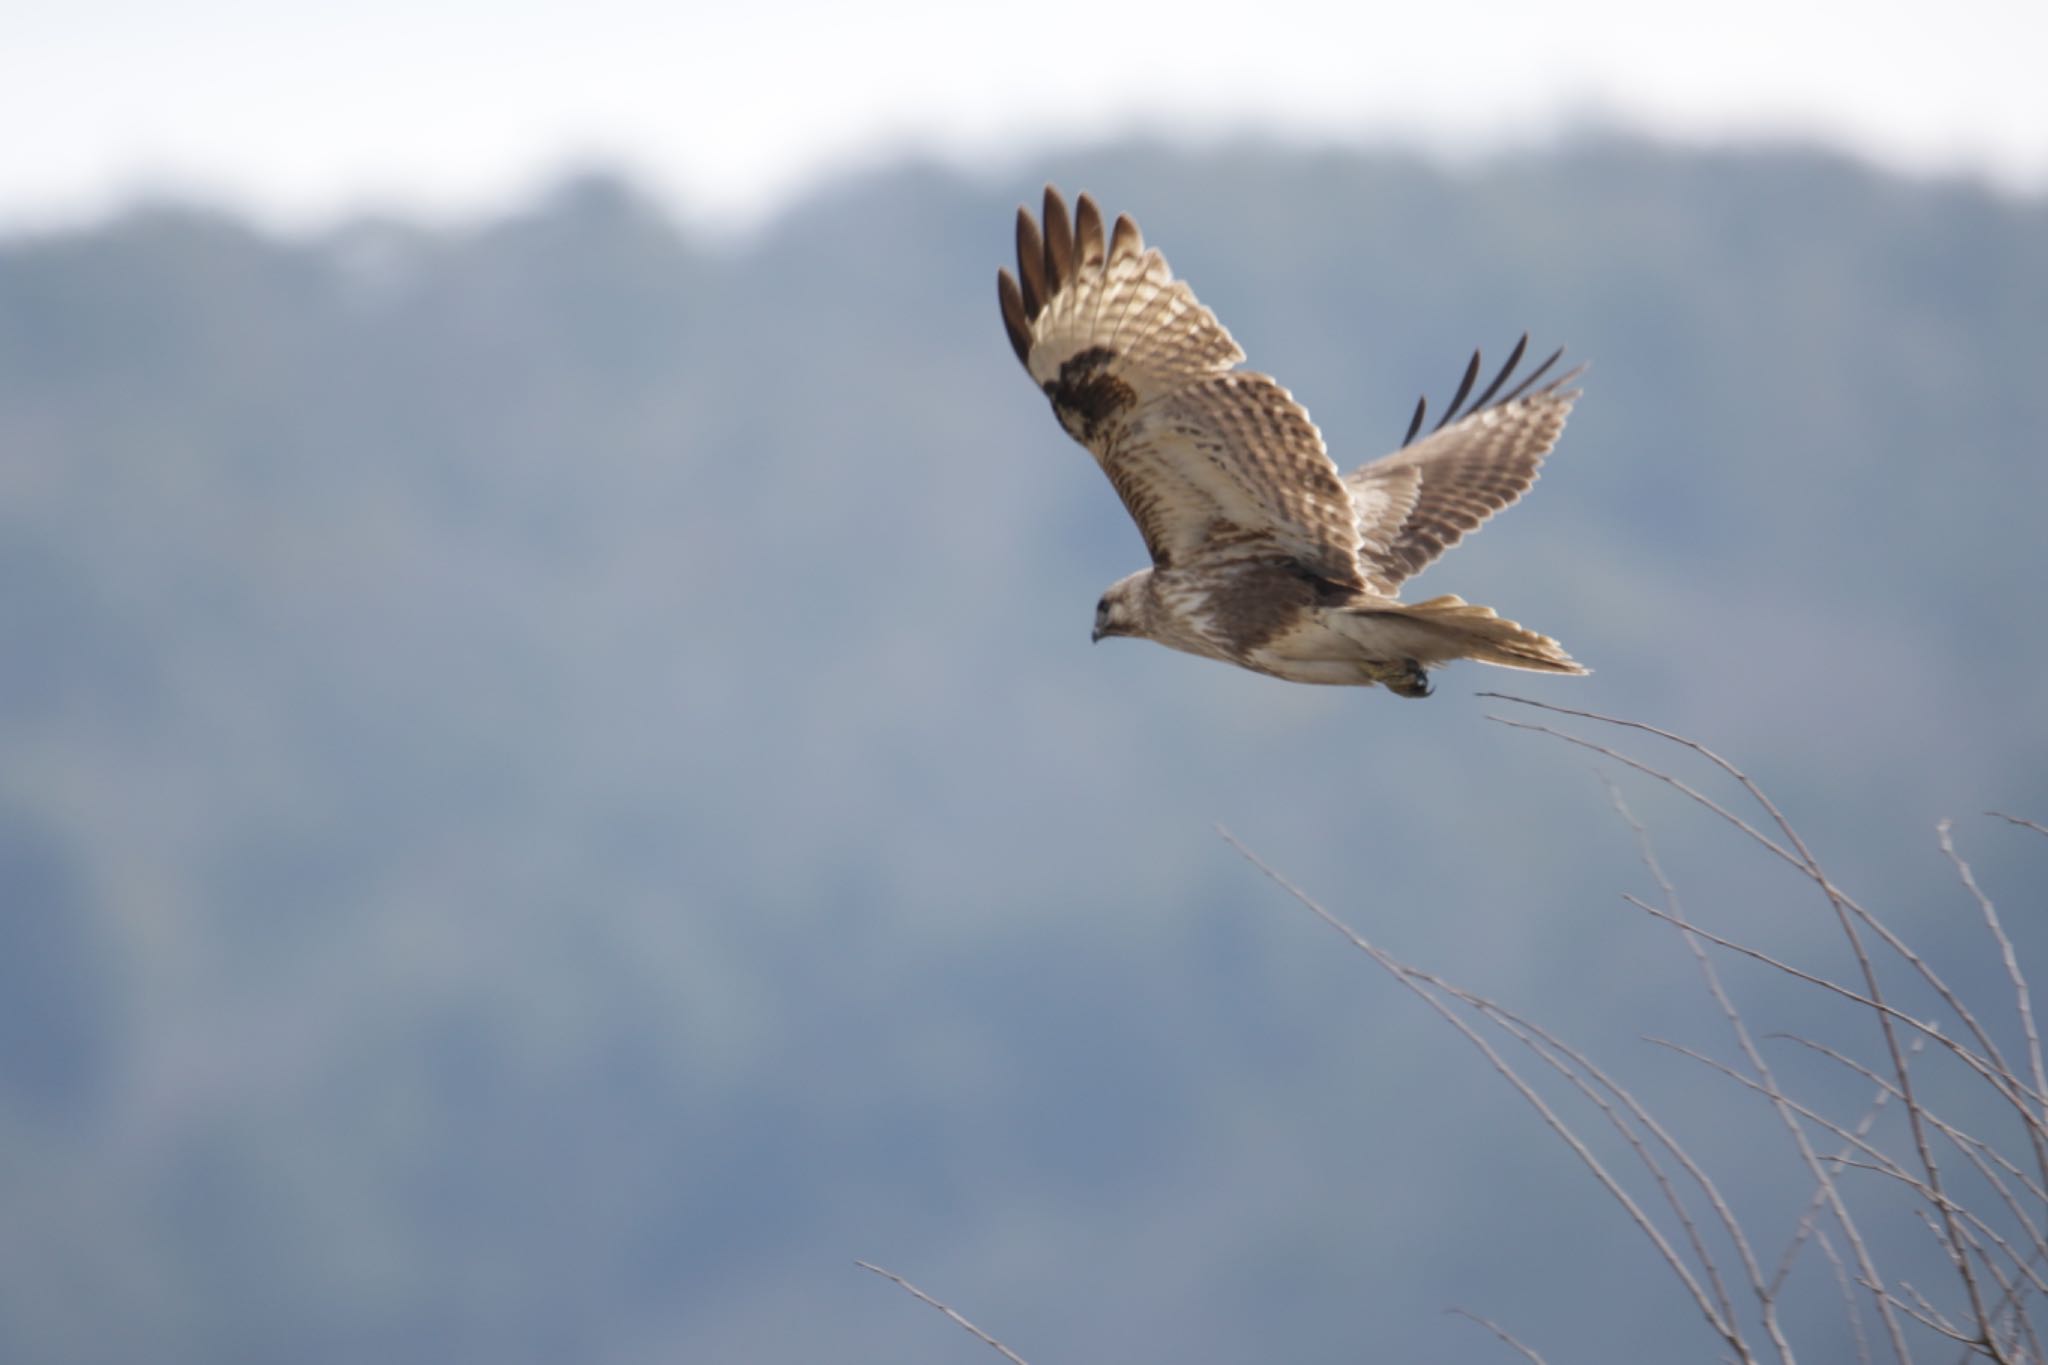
[(1983, 1203)]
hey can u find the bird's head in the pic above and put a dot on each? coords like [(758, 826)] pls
[(1124, 607)]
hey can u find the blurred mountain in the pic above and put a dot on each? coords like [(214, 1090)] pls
[(556, 791)]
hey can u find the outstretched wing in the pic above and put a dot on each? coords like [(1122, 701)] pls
[(1205, 457), (1427, 496)]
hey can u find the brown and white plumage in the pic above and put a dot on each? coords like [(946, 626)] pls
[(1263, 554)]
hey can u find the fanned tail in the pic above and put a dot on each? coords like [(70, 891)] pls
[(1480, 633)]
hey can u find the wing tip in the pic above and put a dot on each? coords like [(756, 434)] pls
[(1053, 248), (1089, 250), (1059, 242), (1125, 241), (1015, 322), (1492, 397), (1030, 264)]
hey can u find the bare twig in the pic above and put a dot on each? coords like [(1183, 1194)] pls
[(1806, 1226), (1879, 1161), (1528, 1352), (1916, 1304), (1996, 1277), (1646, 850), (2014, 1294), (2016, 820), (1849, 1307), (1595, 1085), (1852, 919), (1417, 983), (1691, 793), (1849, 912), (2010, 1294), (1981, 1154), (2004, 1082), (917, 1293), (2022, 1000)]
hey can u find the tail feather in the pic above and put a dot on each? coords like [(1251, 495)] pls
[(1481, 633)]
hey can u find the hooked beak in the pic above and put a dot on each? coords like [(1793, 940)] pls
[(1095, 636)]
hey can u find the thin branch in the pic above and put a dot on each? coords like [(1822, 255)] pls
[(2010, 1294), (1806, 1226), (1528, 1352), (1848, 910), (1879, 1163), (1981, 1154), (2004, 1082), (2001, 1078), (1966, 1218), (1569, 1062), (1879, 1160), (2016, 820), (1727, 1330), (917, 1293), (1692, 793), (1787, 1108), (1646, 850), (1855, 1316), (1852, 919), (2022, 1000), (1928, 1314), (2014, 1292)]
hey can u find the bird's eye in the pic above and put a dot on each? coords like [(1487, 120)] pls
[(1102, 611)]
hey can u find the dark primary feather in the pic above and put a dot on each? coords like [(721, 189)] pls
[(1479, 458), (1088, 234), (1514, 359), (1206, 459), (1015, 321), (1464, 387), (1059, 243), (1047, 262), (1485, 400), (1251, 527), (1031, 264), (1124, 238)]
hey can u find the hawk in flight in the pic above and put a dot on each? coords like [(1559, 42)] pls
[(1263, 554)]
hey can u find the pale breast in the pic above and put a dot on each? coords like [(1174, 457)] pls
[(1233, 611)]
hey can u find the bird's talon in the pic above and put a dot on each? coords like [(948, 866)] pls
[(1412, 681)]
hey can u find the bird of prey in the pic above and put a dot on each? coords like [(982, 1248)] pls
[(1263, 554)]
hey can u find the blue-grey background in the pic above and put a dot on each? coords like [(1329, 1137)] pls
[(554, 791)]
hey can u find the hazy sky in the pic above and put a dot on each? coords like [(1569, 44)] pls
[(303, 111)]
